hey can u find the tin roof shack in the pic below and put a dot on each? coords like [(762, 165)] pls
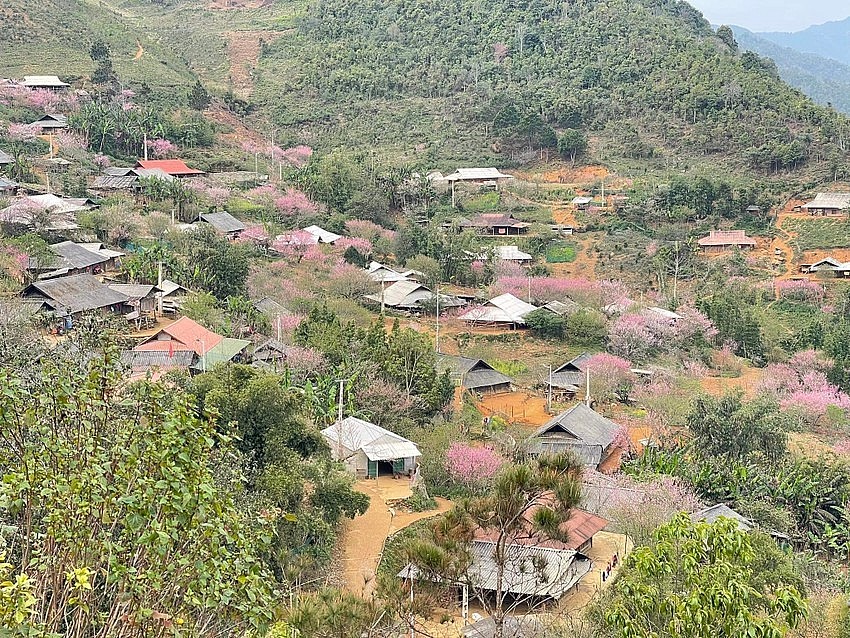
[(368, 450), (719, 241), (828, 204), (141, 303), (68, 297), (133, 179), (50, 122), (486, 177), (829, 264), (46, 212), (504, 310), (476, 375), (496, 224), (580, 430), (323, 236), (51, 82), (172, 296), (75, 258), (223, 223)]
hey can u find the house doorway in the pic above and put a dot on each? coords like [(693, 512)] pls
[(394, 468)]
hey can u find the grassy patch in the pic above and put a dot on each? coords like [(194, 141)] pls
[(510, 368), (561, 253), (483, 203), (818, 233)]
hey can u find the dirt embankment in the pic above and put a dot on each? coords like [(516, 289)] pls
[(243, 51)]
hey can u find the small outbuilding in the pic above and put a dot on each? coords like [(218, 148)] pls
[(323, 236), (70, 296), (50, 122), (566, 380), (476, 375), (224, 223), (368, 450), (496, 224), (51, 82)]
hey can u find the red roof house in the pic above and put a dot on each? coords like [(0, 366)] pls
[(181, 336), (174, 167)]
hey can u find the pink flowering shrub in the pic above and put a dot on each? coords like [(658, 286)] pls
[(161, 148), (297, 156), (611, 377), (304, 363), (368, 230), (694, 328), (350, 281), (294, 202), (256, 235), (842, 447), (472, 466), (801, 385), (726, 362), (634, 507), (363, 246), (22, 132), (638, 336), (802, 290), (101, 160)]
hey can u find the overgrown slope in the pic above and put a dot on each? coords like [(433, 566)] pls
[(825, 81), (54, 38), (643, 77)]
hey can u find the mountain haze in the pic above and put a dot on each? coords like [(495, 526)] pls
[(829, 40), (824, 80)]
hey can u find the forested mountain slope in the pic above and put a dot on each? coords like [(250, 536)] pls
[(829, 40), (643, 77), (826, 81), (54, 38)]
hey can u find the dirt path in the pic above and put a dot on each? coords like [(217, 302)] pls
[(139, 52), (365, 536), (243, 51)]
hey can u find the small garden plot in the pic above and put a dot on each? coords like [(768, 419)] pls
[(561, 253), (811, 234)]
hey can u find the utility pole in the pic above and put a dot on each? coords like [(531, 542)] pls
[(587, 387), (145, 143), (437, 341), (549, 395), (341, 390), (159, 285)]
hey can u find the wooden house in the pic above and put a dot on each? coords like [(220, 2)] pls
[(505, 310), (68, 297), (719, 241), (51, 122), (828, 204), (476, 375), (173, 167), (496, 224), (50, 82), (587, 434)]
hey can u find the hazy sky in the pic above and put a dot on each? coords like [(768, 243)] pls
[(773, 15)]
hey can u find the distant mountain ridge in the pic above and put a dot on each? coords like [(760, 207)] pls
[(825, 80), (829, 40)]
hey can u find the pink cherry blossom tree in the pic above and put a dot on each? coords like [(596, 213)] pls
[(161, 148), (611, 377), (473, 466)]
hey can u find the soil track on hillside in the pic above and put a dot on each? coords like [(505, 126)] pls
[(243, 51)]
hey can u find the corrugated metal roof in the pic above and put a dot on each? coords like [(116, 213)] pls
[(377, 443), (403, 294), (144, 360), (563, 308), (270, 307), (52, 121), (325, 236), (38, 81), (578, 364), (727, 238), (110, 181), (380, 272), (462, 174), (583, 424), (190, 334), (223, 222), (225, 350), (174, 167), (529, 571), (7, 184), (134, 292), (474, 373), (502, 309), (76, 293), (837, 201), (5, 158), (76, 256), (711, 514), (666, 314)]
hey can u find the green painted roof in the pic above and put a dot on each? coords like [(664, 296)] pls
[(222, 352)]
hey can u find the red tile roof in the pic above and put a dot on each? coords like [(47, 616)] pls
[(581, 527), (184, 334), (174, 167)]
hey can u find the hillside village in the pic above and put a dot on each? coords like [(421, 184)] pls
[(252, 387)]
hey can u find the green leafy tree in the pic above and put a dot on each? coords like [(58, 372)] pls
[(572, 144), (697, 581), (731, 428), (199, 98), (123, 527), (546, 324)]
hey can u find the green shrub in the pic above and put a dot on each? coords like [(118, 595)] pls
[(561, 253), (546, 324)]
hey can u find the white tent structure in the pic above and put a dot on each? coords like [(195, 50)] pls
[(362, 446), (502, 309)]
